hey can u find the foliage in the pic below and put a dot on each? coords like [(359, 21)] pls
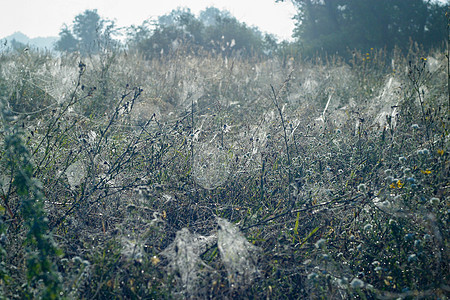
[(214, 31), (67, 42), (164, 176), (341, 26), (42, 277)]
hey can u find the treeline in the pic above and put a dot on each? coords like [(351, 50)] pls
[(323, 27), (213, 31), (336, 26)]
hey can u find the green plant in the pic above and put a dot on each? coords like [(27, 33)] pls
[(41, 250)]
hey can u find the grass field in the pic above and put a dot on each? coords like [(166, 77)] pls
[(199, 176)]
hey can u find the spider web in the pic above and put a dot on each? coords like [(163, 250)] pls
[(57, 81)]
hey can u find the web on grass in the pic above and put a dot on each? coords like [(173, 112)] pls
[(211, 166), (211, 162), (237, 255), (76, 173), (56, 80), (184, 258)]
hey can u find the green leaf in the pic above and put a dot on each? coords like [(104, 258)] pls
[(296, 226), (309, 235)]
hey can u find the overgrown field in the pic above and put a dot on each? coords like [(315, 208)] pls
[(199, 176)]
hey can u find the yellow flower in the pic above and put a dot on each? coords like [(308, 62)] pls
[(155, 260), (440, 151), (399, 184), (426, 172)]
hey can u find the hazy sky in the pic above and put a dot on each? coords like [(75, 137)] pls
[(45, 17)]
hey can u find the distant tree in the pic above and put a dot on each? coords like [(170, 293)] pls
[(214, 30), (436, 25), (169, 32), (176, 17), (335, 26), (136, 35), (87, 27), (162, 41), (67, 42), (270, 44), (229, 35), (89, 30), (16, 45), (211, 15)]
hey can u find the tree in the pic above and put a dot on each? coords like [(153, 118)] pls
[(211, 15), (178, 27), (67, 42), (229, 35), (16, 45), (436, 25), (270, 44), (136, 35), (177, 17), (215, 30), (336, 26), (89, 31), (87, 27)]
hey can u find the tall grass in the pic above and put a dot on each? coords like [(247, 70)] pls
[(144, 172)]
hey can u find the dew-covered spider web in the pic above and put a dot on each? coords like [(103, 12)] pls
[(184, 258), (56, 81), (51, 84), (211, 166), (211, 161), (238, 256), (76, 173)]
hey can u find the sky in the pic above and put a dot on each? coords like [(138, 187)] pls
[(43, 18)]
